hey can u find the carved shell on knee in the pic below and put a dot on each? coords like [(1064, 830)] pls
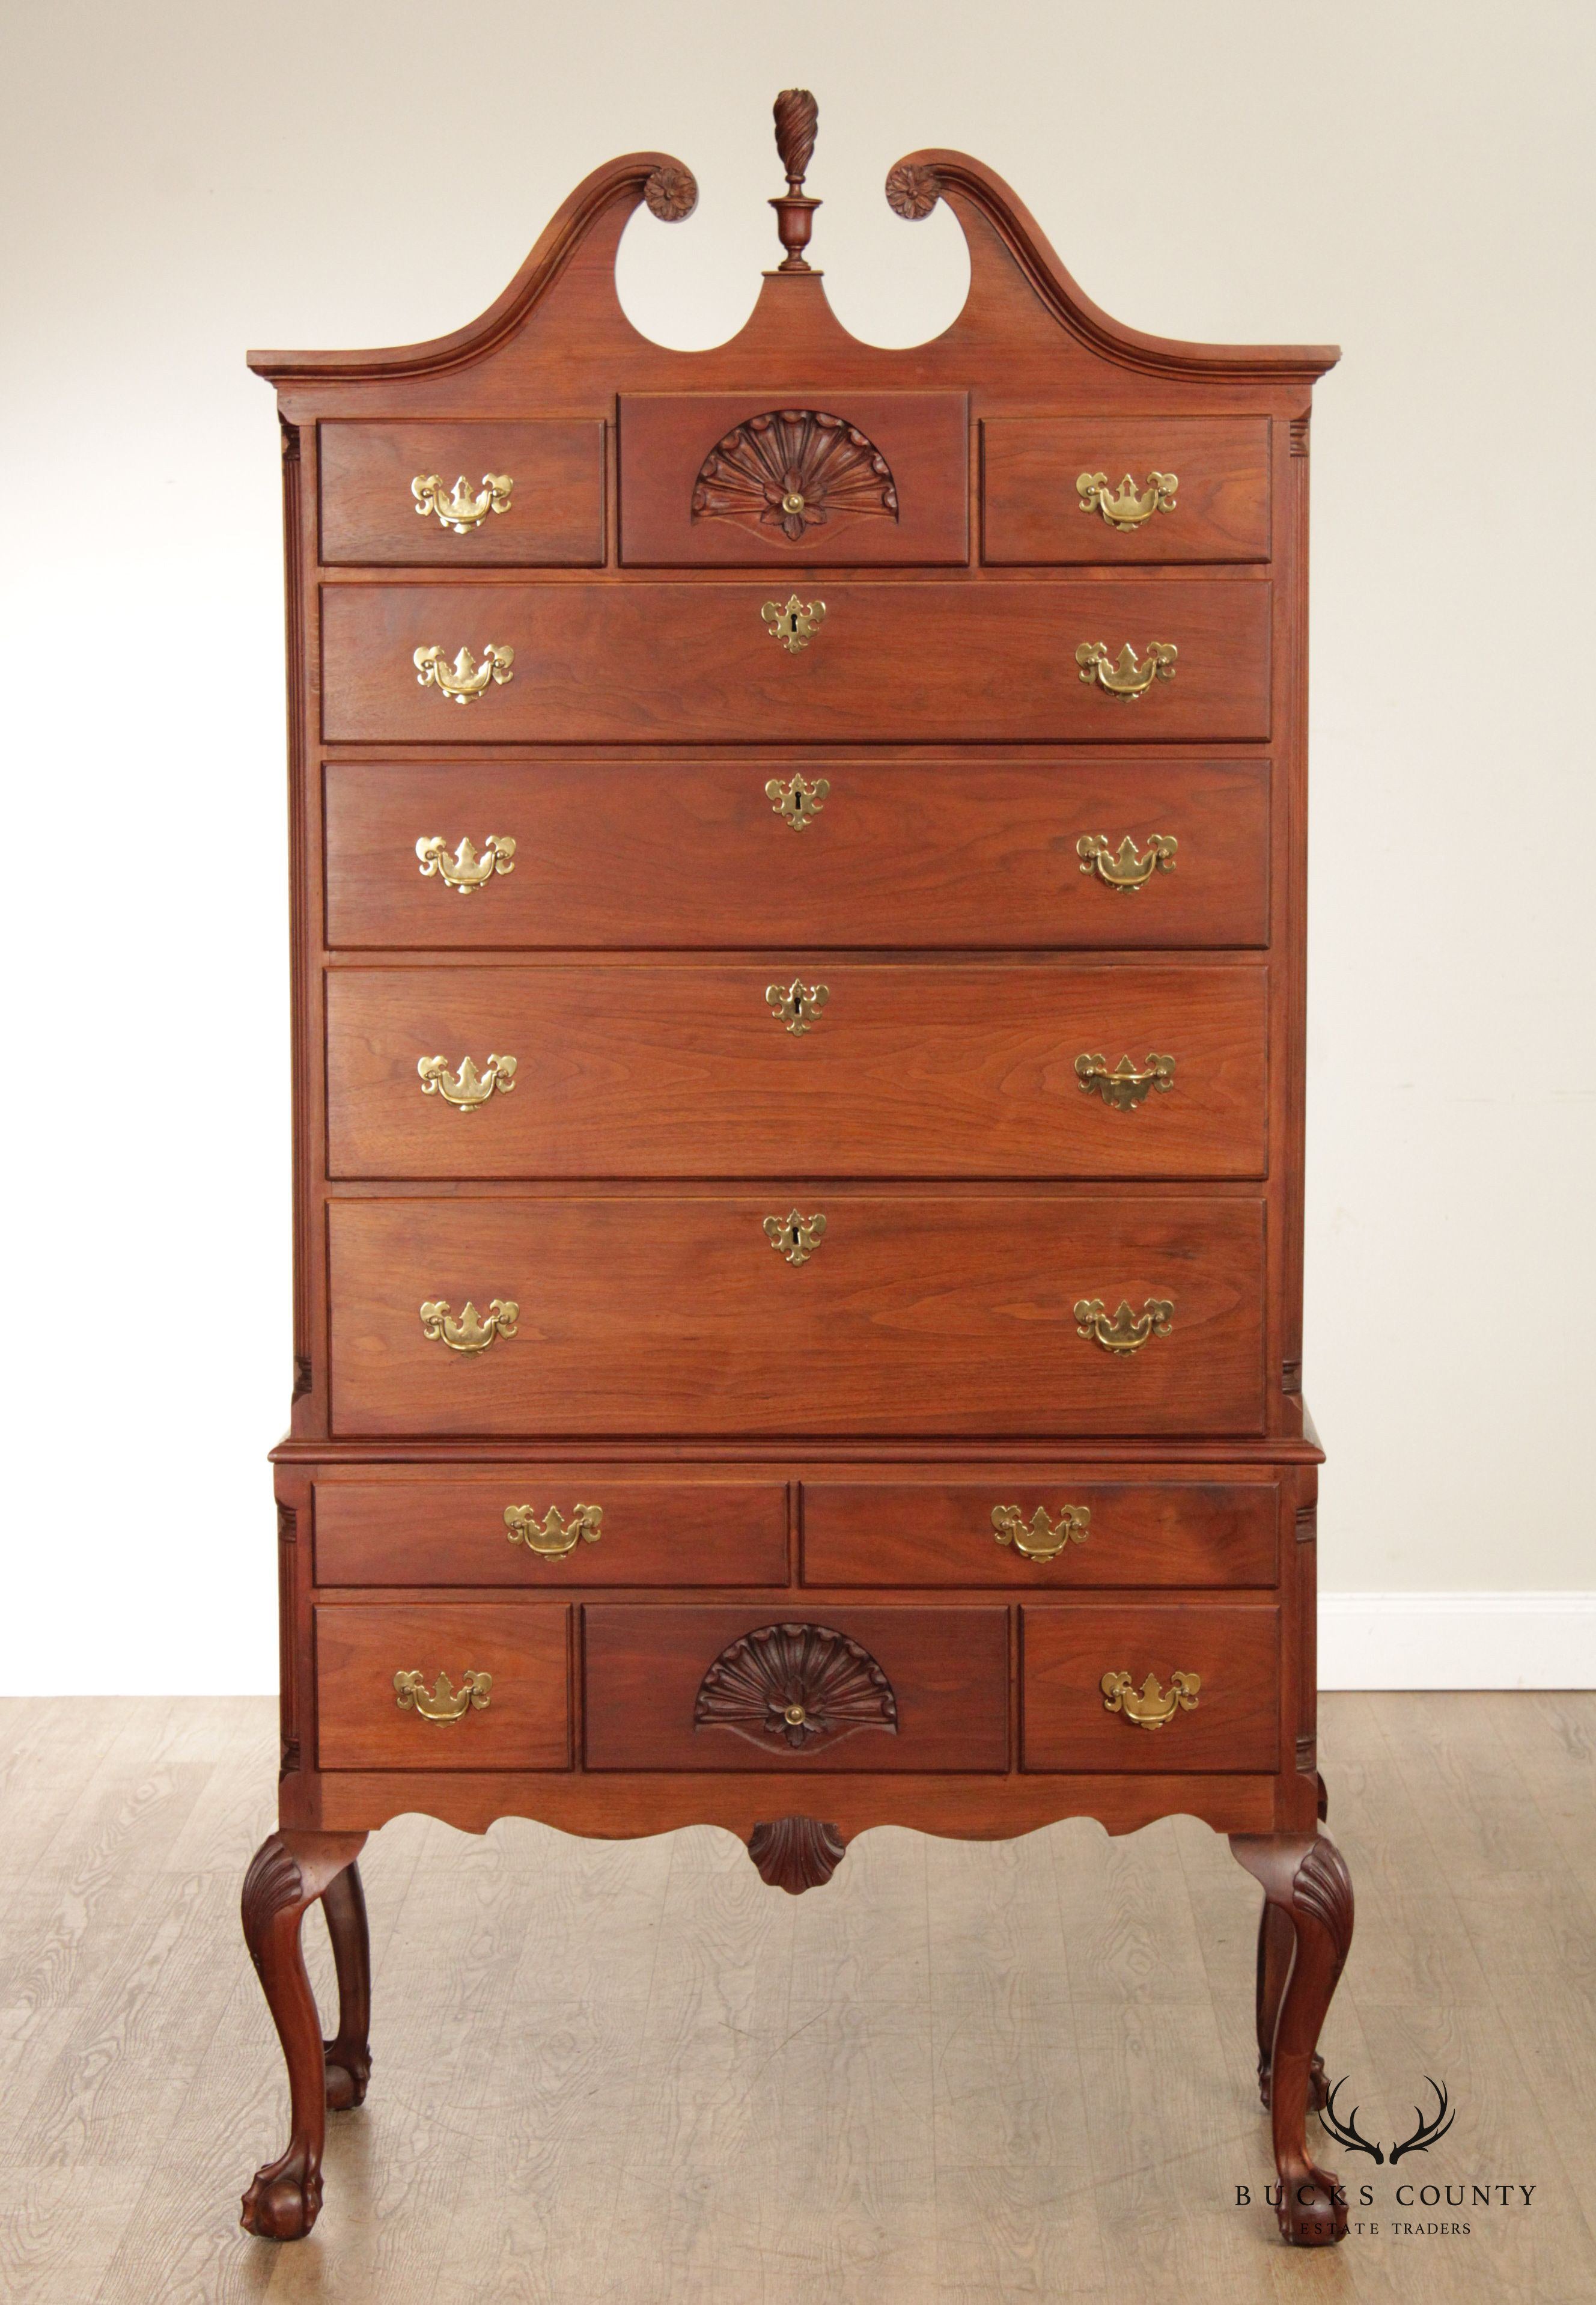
[(793, 470), (802, 1683)]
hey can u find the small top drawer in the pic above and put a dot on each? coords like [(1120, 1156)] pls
[(464, 496), (827, 479), (1116, 489)]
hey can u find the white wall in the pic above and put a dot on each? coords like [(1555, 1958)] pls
[(1411, 177)]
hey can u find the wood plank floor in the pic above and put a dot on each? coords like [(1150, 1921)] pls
[(629, 2074)]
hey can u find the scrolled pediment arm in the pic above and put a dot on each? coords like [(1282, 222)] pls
[(916, 183)]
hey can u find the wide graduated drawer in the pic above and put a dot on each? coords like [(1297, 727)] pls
[(1022, 1532), (818, 851), (550, 515), (931, 1070), (670, 1688), (721, 479), (910, 1312), (549, 1525), (1229, 1656), (447, 1720), (636, 661), (1199, 488)]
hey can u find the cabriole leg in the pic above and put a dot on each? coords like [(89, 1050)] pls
[(1302, 1944), (349, 2054), (290, 1870)]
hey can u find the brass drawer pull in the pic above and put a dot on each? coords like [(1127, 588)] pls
[(442, 1702), (467, 1088), (798, 802), (471, 1333), (1148, 1708), (464, 680), (793, 1236), (1125, 868), (1125, 1332), (554, 1535), (1131, 676), (797, 1005), (1124, 1088), (467, 871), (1127, 506), (1040, 1538), (795, 624), (466, 508)]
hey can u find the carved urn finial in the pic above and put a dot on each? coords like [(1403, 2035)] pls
[(796, 115)]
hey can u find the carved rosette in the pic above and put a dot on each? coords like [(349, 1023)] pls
[(911, 191), (804, 1684), (794, 470), (796, 1853), (671, 193)]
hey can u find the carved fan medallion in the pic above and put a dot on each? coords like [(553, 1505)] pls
[(804, 1683), (791, 470)]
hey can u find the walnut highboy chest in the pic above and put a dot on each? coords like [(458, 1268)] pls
[(798, 932)]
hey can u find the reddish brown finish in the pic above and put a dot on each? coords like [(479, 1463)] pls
[(348, 2054), (1066, 1651), (640, 662), (1306, 1881), (929, 1340), (1031, 505), (917, 1070), (526, 1723), (555, 517), (947, 1316), (453, 1532), (667, 438), (940, 1534), (290, 1870), (948, 1667), (693, 854)]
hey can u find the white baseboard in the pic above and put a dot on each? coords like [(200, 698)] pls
[(1457, 1640)]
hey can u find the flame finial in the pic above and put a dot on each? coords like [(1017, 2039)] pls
[(797, 115)]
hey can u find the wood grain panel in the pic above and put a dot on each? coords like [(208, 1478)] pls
[(1066, 1651), (948, 1669), (452, 1531), (624, 663), (924, 1070), (665, 437), (932, 853), (525, 1723), (918, 1314), (940, 1533), (555, 517), (1031, 506)]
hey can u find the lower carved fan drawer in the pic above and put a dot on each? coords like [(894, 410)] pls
[(549, 1525), (1125, 1686), (1024, 1532), (877, 1688), (973, 1069), (797, 1311), (449, 1685)]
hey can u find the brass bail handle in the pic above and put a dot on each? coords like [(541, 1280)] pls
[(1042, 1537)]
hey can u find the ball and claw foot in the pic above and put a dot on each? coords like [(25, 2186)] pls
[(283, 2203), (348, 2075)]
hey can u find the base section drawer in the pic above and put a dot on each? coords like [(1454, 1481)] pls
[(1019, 1532), (871, 1689), (559, 1525), (798, 1311), (448, 1686), (1153, 1690)]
